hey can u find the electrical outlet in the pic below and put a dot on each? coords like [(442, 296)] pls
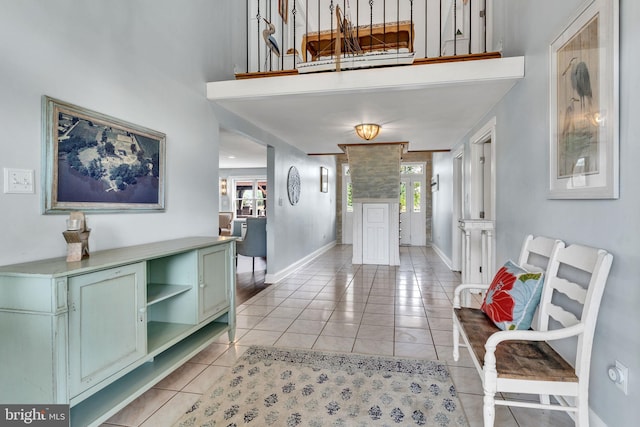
[(619, 374), (18, 181)]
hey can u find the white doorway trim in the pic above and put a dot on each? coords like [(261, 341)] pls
[(477, 140), (458, 209)]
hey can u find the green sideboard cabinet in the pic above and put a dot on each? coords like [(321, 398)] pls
[(97, 333)]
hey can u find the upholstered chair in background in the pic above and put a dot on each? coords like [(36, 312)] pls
[(254, 243)]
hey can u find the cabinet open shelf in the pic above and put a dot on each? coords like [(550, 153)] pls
[(100, 406), (159, 292), (162, 334)]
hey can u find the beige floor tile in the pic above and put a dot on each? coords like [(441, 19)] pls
[(247, 322), (409, 311), (472, 406), (338, 344), (466, 380), (257, 337), (379, 308), (376, 332), (206, 379), (339, 329), (382, 348), (442, 337), (307, 327), (142, 408), (377, 319), (286, 312), (181, 377), (346, 316), (210, 353), (312, 314), (413, 336), (171, 411), (413, 350), (275, 324), (445, 354), (412, 322), (294, 340), (229, 357)]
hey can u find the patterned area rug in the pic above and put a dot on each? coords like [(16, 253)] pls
[(285, 387)]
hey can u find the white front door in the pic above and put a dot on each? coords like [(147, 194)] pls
[(375, 233)]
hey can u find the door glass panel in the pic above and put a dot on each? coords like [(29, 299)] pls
[(349, 198), (403, 197), (417, 196)]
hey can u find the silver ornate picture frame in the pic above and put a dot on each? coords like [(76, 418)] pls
[(96, 163)]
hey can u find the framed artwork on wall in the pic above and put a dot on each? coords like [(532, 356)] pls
[(293, 185), (324, 179), (96, 163), (583, 105)]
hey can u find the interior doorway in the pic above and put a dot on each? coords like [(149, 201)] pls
[(458, 209)]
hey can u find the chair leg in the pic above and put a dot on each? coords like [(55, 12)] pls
[(489, 409), (253, 268)]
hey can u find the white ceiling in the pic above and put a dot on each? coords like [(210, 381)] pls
[(237, 151), (432, 106)]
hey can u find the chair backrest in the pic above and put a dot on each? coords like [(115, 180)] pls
[(254, 243), (536, 252), (580, 274), (224, 219)]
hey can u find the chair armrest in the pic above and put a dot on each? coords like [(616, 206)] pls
[(467, 286)]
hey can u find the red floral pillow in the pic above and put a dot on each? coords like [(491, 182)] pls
[(513, 297)]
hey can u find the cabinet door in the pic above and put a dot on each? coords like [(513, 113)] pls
[(107, 324), (215, 280)]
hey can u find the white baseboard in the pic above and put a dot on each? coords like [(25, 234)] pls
[(595, 420), (442, 256), (276, 277)]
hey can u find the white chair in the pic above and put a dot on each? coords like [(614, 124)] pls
[(522, 361)]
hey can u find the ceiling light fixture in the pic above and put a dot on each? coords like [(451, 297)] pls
[(367, 131)]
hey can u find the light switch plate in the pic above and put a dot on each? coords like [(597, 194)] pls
[(18, 181)]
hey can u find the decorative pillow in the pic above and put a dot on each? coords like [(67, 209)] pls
[(513, 297)]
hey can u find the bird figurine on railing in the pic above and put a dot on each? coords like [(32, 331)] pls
[(272, 44)]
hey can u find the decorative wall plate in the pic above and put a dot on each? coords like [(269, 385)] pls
[(293, 185)]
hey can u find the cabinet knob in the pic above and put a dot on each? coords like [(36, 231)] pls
[(202, 285), (142, 310)]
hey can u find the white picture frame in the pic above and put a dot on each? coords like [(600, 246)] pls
[(583, 105)]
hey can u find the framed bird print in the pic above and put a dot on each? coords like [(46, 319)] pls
[(583, 105)]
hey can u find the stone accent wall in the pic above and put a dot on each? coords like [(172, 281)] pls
[(417, 156), (375, 171)]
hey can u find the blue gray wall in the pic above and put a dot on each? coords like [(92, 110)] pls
[(522, 137), (143, 61)]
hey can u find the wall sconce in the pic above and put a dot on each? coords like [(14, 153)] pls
[(223, 186), (367, 131)]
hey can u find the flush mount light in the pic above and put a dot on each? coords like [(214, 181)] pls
[(367, 131)]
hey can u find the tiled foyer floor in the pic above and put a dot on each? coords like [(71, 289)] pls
[(331, 304)]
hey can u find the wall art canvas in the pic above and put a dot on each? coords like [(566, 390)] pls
[(93, 162), (583, 105)]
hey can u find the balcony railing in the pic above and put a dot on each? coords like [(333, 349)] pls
[(296, 34)]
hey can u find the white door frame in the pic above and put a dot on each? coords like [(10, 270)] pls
[(486, 133), (458, 209)]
